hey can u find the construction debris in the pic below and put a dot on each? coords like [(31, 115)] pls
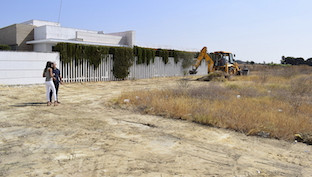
[(304, 137)]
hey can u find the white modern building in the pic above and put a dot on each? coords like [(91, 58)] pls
[(43, 35)]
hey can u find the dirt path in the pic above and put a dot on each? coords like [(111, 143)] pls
[(85, 137)]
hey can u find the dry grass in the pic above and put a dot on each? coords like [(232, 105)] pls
[(270, 105)]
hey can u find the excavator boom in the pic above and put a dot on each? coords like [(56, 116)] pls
[(203, 55)]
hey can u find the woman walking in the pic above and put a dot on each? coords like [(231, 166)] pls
[(48, 74)]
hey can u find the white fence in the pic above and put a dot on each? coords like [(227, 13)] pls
[(24, 67), (82, 71), (27, 67)]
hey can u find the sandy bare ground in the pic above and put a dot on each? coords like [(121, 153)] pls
[(86, 137)]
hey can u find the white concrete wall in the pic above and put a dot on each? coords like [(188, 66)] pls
[(128, 37), (40, 33), (60, 33), (19, 68), (99, 38), (54, 32), (43, 47)]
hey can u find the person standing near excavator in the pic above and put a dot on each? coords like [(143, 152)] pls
[(57, 80)]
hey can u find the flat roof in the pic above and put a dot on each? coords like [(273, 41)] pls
[(55, 41)]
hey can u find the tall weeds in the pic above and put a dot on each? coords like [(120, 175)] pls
[(277, 108)]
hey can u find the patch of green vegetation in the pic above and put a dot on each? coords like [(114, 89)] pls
[(4, 47)]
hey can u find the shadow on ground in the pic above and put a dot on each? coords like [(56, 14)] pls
[(29, 104)]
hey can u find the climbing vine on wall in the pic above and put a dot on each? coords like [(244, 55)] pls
[(147, 55), (123, 56), (186, 57), (92, 53), (164, 54), (144, 55)]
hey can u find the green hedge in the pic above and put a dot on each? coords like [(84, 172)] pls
[(92, 53), (4, 47), (123, 56)]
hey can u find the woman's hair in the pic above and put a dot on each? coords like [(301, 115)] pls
[(48, 65)]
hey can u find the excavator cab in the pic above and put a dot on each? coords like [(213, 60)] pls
[(223, 57), (224, 61)]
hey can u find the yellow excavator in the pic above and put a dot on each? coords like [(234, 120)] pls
[(219, 61)]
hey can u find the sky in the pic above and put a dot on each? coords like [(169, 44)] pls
[(254, 30)]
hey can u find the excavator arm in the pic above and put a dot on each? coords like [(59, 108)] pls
[(203, 55)]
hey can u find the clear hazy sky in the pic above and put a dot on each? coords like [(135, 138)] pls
[(258, 30)]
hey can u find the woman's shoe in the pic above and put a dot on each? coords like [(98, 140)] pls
[(49, 103)]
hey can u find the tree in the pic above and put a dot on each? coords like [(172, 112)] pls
[(283, 60), (294, 61), (309, 61)]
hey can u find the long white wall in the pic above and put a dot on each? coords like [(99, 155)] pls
[(19, 68), (24, 67)]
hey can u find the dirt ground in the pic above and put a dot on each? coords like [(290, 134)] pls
[(84, 136)]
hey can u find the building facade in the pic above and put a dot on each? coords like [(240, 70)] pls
[(41, 36), (16, 36)]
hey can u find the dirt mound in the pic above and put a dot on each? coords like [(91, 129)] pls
[(215, 76)]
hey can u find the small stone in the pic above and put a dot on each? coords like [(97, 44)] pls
[(126, 100)]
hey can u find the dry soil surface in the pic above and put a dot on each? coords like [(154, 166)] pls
[(85, 137)]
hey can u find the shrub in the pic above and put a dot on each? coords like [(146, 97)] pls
[(4, 47), (300, 88), (123, 59)]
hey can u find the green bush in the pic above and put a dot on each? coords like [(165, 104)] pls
[(4, 47), (123, 59)]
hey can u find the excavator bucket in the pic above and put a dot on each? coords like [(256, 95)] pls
[(193, 71)]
